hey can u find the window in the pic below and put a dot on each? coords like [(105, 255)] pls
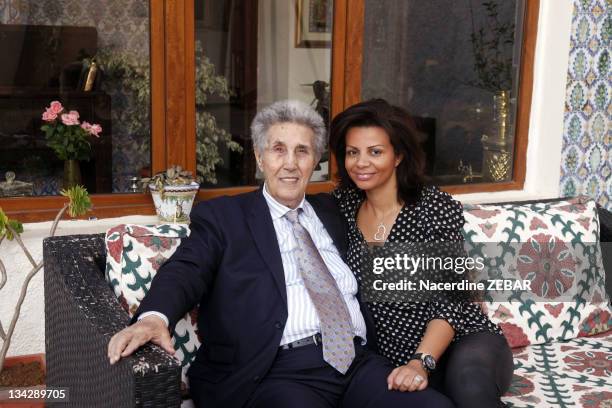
[(93, 58), (249, 54), (457, 70)]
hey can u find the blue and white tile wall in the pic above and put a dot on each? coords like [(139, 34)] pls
[(586, 160)]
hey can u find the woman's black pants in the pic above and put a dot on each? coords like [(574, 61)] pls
[(475, 371)]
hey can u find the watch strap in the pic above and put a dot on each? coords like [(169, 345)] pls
[(421, 357)]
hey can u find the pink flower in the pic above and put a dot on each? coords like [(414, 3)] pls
[(49, 116), (56, 107), (95, 130), (70, 118), (92, 129)]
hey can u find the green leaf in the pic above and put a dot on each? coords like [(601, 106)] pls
[(3, 223), (6, 222), (16, 226), (79, 201)]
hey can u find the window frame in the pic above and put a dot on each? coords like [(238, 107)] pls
[(352, 92), (173, 139), (44, 208)]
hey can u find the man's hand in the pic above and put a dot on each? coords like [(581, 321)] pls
[(409, 377), (149, 329)]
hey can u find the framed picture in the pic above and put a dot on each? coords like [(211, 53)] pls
[(313, 24)]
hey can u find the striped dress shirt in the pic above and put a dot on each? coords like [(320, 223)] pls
[(302, 320)]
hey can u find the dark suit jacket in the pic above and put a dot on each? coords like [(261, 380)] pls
[(231, 265)]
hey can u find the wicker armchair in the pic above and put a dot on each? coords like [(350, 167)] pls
[(82, 314)]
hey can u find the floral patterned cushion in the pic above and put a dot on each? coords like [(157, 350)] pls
[(555, 246), (134, 254), (573, 373)]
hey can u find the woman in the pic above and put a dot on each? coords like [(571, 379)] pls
[(450, 345)]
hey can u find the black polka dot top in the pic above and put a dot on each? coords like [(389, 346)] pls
[(435, 217)]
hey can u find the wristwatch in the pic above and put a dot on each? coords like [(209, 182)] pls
[(427, 360)]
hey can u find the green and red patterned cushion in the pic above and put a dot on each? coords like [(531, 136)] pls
[(134, 254), (573, 373), (555, 246)]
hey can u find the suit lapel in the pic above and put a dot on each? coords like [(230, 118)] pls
[(332, 222), (261, 227), (260, 224)]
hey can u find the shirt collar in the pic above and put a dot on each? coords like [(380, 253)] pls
[(278, 210)]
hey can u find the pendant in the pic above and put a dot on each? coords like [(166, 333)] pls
[(380, 232)]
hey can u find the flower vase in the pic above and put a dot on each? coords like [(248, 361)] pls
[(497, 147), (72, 173)]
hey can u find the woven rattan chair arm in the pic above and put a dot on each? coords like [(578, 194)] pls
[(81, 315)]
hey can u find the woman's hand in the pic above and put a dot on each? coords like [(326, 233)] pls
[(409, 377)]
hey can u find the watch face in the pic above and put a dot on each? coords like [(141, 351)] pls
[(429, 362)]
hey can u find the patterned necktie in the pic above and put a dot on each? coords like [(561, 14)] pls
[(336, 327)]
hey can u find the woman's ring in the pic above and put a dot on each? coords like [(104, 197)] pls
[(418, 379)]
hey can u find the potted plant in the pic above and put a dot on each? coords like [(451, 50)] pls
[(173, 192), (29, 370), (492, 45), (125, 75), (69, 139)]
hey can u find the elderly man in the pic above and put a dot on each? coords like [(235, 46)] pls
[(279, 316)]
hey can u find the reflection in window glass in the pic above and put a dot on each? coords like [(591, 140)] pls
[(93, 58), (456, 70), (250, 54)]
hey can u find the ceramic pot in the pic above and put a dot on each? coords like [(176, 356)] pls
[(174, 203), (23, 403)]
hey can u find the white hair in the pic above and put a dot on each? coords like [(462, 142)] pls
[(288, 111)]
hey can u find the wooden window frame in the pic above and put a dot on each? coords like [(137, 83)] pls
[(352, 88), (44, 208), (173, 139)]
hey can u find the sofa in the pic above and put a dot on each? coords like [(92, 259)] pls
[(560, 330), (562, 346)]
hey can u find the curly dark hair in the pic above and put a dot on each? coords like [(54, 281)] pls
[(403, 134)]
